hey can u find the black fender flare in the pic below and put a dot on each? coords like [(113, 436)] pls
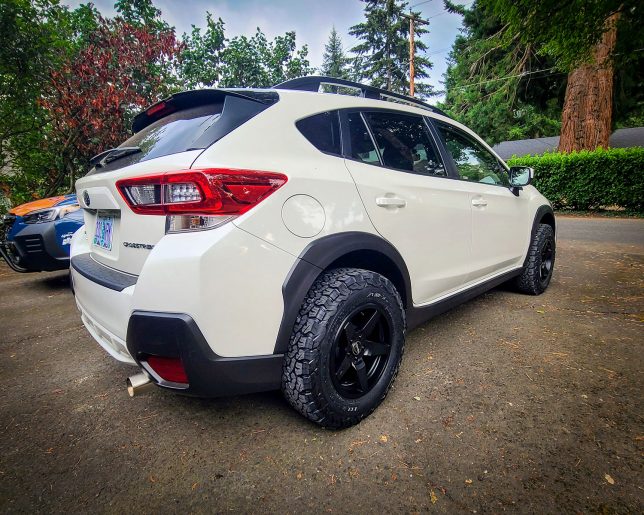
[(318, 256), (538, 216)]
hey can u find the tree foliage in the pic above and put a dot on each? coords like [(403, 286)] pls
[(210, 59), (508, 87), (334, 61), (90, 99), (41, 36), (383, 51), (89, 76), (497, 85), (566, 31), (588, 40)]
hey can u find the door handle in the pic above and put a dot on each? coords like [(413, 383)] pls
[(390, 202), (479, 202)]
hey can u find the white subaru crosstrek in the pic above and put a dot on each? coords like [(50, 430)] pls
[(245, 240)]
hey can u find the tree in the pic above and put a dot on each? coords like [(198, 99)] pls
[(201, 60), (384, 47), (209, 59), (495, 84), (41, 38), (92, 97), (581, 36), (334, 61)]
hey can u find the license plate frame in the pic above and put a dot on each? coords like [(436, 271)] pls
[(103, 232)]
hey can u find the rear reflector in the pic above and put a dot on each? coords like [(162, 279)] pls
[(170, 369), (199, 192)]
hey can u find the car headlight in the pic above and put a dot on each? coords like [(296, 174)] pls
[(48, 215)]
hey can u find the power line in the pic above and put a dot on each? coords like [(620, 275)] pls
[(508, 77)]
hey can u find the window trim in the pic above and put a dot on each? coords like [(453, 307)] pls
[(435, 125), (346, 140)]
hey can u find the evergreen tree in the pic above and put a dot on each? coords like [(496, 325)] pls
[(384, 47), (334, 61), (588, 41), (495, 84)]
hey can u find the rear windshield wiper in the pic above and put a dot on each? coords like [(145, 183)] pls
[(107, 156)]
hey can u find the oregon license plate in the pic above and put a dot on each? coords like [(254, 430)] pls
[(103, 233)]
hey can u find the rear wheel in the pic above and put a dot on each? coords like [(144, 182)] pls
[(346, 347), (540, 262)]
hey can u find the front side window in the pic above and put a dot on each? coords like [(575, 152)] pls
[(404, 143), (474, 162)]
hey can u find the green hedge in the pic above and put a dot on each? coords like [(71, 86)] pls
[(589, 180)]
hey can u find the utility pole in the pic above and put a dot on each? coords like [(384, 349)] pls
[(412, 49)]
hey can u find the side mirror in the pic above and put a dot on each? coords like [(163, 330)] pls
[(520, 176)]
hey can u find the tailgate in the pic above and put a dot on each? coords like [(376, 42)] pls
[(117, 236)]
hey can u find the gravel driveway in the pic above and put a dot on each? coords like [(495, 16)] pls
[(509, 402)]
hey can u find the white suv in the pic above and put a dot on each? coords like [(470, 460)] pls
[(249, 240)]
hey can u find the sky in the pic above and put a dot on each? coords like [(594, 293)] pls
[(310, 19)]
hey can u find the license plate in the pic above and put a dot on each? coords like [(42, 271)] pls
[(103, 233)]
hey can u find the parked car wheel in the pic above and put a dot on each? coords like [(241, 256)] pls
[(346, 347), (540, 263)]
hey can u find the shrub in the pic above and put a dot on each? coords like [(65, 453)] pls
[(590, 179)]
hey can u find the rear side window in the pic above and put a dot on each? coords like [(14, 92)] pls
[(362, 147), (323, 131), (404, 143), (176, 132)]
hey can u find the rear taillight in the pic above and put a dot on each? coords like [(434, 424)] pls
[(169, 369), (199, 199)]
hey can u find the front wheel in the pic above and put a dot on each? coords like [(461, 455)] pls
[(540, 263), (346, 347)]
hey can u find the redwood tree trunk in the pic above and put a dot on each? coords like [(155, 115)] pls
[(588, 105)]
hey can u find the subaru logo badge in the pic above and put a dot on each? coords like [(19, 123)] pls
[(86, 198)]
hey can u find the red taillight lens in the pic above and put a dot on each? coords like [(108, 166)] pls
[(199, 192), (170, 369)]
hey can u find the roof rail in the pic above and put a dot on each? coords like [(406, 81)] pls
[(316, 82)]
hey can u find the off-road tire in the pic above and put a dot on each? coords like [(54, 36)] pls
[(306, 377), (532, 281)]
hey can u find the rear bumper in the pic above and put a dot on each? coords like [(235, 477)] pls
[(209, 375), (202, 298)]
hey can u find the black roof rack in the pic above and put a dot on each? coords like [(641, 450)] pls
[(314, 82)]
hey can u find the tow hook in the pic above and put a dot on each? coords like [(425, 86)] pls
[(138, 383)]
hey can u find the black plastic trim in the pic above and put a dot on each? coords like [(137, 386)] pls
[(538, 216), (101, 274), (209, 375), (319, 255), (421, 314)]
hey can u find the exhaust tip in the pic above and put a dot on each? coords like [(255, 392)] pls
[(138, 383)]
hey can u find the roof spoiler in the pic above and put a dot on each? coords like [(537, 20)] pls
[(197, 97)]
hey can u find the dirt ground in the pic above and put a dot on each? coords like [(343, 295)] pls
[(507, 403)]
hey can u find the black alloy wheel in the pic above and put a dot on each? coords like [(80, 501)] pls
[(360, 351)]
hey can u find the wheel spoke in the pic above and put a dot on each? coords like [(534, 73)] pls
[(375, 348), (361, 370), (351, 331), (344, 368), (371, 324)]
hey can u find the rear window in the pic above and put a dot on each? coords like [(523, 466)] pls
[(192, 120), (323, 131), (176, 132)]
